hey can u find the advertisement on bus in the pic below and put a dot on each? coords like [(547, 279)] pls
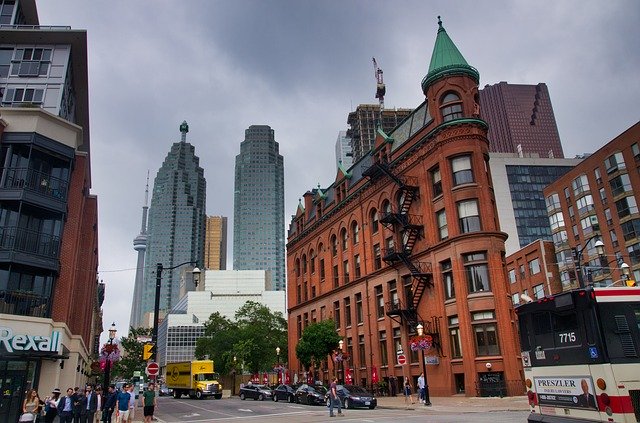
[(566, 392)]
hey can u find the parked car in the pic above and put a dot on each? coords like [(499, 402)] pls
[(311, 394), (352, 396), (257, 392), (284, 393), (165, 391)]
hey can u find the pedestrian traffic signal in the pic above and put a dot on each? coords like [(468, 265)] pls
[(147, 351)]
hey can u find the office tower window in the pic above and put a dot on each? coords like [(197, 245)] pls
[(447, 279), (468, 216), (436, 181), (477, 272), (454, 337), (373, 217), (379, 302), (347, 312), (461, 168), (614, 162), (584, 204), (443, 229), (553, 202), (359, 314), (620, 184), (382, 342), (630, 229), (451, 107), (626, 206), (556, 221)]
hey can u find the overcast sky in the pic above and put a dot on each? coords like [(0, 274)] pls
[(301, 66)]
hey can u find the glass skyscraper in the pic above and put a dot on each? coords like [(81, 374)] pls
[(176, 224), (258, 210)]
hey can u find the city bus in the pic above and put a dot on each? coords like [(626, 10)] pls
[(581, 355)]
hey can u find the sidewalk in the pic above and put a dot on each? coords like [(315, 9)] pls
[(460, 404)]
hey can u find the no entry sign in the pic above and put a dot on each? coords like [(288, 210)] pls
[(152, 369)]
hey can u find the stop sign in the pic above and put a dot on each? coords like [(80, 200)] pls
[(402, 359), (152, 369)]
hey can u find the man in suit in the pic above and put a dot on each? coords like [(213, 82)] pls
[(586, 400), (78, 396), (65, 407), (109, 404), (88, 405)]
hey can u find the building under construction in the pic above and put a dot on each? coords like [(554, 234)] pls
[(363, 123)]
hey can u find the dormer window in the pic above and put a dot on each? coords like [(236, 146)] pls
[(451, 107)]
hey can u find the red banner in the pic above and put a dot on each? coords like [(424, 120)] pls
[(287, 378), (347, 377), (374, 374)]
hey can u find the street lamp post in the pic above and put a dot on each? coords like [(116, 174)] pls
[(577, 253), (107, 365), (233, 390), (427, 401), (278, 364), (340, 344), (156, 308)]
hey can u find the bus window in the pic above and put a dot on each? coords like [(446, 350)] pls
[(566, 330), (542, 330)]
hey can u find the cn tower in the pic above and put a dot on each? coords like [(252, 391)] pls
[(140, 245)]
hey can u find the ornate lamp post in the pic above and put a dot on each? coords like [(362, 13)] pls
[(107, 364), (278, 363), (156, 309), (420, 329)]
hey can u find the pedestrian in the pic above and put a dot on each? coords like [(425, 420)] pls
[(149, 402), (99, 398), (421, 387), (65, 407), (407, 392), (122, 410), (109, 404), (78, 396), (333, 398), (88, 405), (51, 406), (30, 406), (132, 403)]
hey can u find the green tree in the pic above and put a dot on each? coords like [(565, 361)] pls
[(131, 354), (218, 340), (317, 342)]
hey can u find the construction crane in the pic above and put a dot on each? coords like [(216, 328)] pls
[(380, 88)]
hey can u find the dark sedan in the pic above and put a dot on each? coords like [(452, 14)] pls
[(257, 392), (284, 393), (352, 396), (311, 395)]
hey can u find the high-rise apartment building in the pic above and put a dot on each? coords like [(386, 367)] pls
[(598, 201), (409, 239), (520, 119), (258, 209), (344, 153), (518, 183), (50, 297), (363, 124), (215, 243), (140, 245), (176, 224)]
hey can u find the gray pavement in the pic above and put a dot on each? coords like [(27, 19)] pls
[(459, 404)]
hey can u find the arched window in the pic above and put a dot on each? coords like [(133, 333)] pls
[(355, 232), (312, 261), (298, 267), (451, 107), (304, 264), (334, 245), (343, 237), (386, 207), (373, 218)]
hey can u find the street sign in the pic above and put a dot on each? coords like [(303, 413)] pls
[(402, 359), (152, 369)]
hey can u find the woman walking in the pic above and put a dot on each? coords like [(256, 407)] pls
[(407, 392), (51, 406)]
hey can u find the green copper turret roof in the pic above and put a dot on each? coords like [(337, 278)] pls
[(446, 60)]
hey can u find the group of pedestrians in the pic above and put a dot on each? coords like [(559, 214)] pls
[(88, 406), (408, 390)]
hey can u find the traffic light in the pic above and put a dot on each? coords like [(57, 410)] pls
[(147, 351)]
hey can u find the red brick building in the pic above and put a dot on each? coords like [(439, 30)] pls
[(597, 201), (409, 235), (532, 271)]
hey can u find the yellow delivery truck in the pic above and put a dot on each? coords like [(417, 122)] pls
[(194, 378)]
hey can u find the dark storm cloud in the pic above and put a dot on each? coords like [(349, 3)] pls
[(300, 66)]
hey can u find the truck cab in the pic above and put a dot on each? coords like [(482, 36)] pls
[(194, 378)]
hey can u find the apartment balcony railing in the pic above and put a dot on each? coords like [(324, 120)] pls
[(24, 303), (30, 242), (17, 178)]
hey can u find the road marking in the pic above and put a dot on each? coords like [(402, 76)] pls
[(245, 409)]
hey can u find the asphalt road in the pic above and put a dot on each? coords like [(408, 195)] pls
[(235, 410)]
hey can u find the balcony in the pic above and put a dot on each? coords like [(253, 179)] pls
[(31, 248), (35, 187), (25, 303)]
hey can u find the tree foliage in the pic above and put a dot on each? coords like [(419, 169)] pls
[(317, 342), (252, 339), (131, 359)]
